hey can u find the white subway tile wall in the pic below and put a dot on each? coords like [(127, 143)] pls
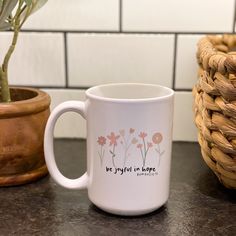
[(186, 62), (183, 128), (87, 15), (69, 46), (96, 59), (178, 15), (39, 58)]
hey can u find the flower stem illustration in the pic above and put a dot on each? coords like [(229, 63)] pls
[(101, 141), (113, 143), (157, 139), (140, 146), (144, 147), (126, 143)]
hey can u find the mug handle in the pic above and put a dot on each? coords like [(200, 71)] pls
[(81, 182)]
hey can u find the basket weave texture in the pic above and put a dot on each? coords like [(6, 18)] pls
[(215, 105)]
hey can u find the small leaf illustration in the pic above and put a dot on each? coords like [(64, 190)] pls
[(112, 153), (162, 153), (157, 150)]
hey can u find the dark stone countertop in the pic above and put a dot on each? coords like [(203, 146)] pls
[(198, 204)]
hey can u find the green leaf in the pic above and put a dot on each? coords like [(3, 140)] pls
[(38, 4), (30, 6), (1, 1), (7, 7), (28, 2)]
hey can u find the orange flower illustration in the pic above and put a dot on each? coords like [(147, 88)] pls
[(157, 138), (113, 138), (142, 135), (101, 140), (131, 130), (113, 142), (145, 147)]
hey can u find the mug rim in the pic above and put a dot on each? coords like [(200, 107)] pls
[(89, 94)]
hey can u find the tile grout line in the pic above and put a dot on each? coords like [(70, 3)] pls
[(183, 90), (118, 32), (84, 87), (65, 88), (66, 60), (120, 15), (174, 61), (234, 19)]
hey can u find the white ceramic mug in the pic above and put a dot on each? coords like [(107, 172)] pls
[(129, 139)]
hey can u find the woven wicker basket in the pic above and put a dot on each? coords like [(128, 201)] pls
[(215, 105)]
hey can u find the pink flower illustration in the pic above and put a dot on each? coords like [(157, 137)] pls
[(101, 140), (127, 141), (131, 130), (144, 148), (142, 135), (113, 142), (113, 138), (157, 138)]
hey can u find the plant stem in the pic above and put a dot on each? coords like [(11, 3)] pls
[(4, 74), (11, 48), (28, 11), (5, 90)]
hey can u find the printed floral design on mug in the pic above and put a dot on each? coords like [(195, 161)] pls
[(127, 139), (113, 143), (157, 138), (127, 143), (101, 141), (144, 147)]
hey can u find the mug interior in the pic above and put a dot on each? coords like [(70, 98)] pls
[(129, 91)]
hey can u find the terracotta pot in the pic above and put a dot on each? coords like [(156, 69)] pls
[(22, 124)]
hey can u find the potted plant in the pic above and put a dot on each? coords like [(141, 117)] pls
[(23, 111)]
